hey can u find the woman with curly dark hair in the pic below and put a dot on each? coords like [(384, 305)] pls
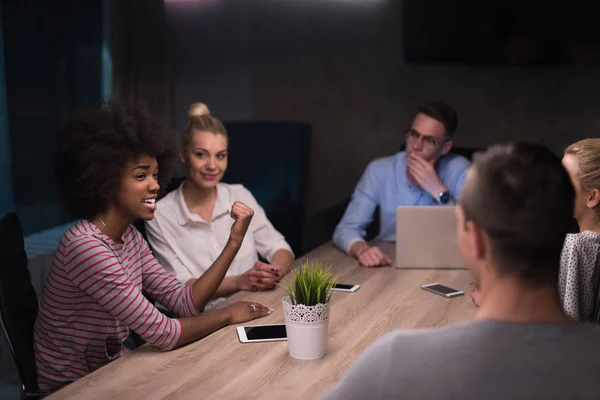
[(112, 161)]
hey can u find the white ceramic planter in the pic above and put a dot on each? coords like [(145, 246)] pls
[(306, 328)]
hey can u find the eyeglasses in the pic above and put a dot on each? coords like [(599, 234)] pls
[(413, 136)]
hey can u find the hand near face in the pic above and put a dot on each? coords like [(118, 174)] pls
[(373, 257), (261, 277), (424, 174), (242, 214)]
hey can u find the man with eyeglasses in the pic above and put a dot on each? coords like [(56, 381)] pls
[(425, 174)]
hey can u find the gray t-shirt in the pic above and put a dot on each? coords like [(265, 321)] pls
[(479, 360)]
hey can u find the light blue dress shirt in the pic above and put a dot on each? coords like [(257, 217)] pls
[(385, 183)]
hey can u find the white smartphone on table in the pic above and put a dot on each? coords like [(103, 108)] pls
[(343, 287), (442, 290), (261, 333)]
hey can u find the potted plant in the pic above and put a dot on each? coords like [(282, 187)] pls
[(306, 309)]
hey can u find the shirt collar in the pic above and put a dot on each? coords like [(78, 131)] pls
[(224, 202), (222, 206), (101, 235)]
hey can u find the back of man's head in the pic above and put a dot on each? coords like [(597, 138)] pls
[(522, 198)]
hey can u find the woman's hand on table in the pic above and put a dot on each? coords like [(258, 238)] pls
[(261, 277), (243, 311)]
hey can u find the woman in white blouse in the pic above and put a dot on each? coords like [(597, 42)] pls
[(580, 259), (191, 224)]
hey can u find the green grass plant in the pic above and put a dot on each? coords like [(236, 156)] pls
[(311, 283)]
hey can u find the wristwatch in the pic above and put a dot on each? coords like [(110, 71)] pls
[(443, 198)]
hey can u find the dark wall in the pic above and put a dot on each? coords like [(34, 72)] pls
[(6, 197), (53, 65), (339, 66), (211, 60), (507, 32), (332, 64)]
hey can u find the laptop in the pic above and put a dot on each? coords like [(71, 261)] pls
[(426, 238)]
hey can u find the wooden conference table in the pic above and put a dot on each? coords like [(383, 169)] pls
[(220, 367)]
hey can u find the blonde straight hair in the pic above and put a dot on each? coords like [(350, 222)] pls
[(200, 120), (587, 152)]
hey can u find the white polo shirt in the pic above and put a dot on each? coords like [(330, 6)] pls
[(187, 246)]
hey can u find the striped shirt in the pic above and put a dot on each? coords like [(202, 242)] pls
[(93, 298)]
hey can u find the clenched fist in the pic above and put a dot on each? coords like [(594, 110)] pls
[(242, 214)]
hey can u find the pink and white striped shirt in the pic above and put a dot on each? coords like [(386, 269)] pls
[(93, 298)]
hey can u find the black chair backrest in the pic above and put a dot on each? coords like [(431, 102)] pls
[(467, 152), (18, 300), (271, 160)]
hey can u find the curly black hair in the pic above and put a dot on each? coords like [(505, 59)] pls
[(95, 146)]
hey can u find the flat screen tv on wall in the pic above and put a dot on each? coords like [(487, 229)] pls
[(501, 32)]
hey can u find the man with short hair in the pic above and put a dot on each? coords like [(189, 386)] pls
[(515, 211), (423, 175)]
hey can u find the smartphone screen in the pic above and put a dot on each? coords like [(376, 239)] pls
[(343, 286), (442, 289), (265, 332)]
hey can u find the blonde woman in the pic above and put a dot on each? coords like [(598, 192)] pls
[(580, 260), (191, 224)]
